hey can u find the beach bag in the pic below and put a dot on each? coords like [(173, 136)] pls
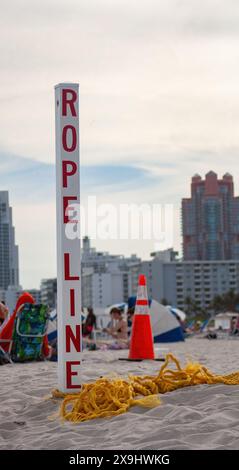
[(28, 334)]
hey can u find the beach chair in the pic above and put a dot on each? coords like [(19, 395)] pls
[(204, 325), (190, 325), (6, 329), (29, 330), (4, 355)]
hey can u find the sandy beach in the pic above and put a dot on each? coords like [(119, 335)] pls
[(201, 417)]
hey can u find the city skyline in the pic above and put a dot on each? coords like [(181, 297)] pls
[(195, 181), (159, 102)]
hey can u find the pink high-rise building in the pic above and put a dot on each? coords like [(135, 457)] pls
[(210, 219)]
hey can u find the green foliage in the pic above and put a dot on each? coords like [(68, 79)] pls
[(226, 302), (194, 310)]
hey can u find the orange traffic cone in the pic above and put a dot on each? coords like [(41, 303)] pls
[(141, 344)]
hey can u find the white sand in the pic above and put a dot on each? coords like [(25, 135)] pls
[(201, 417)]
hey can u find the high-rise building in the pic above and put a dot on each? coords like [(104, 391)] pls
[(9, 270), (106, 278), (102, 289), (201, 281), (49, 292), (210, 219)]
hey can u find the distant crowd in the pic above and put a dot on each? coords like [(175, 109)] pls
[(115, 335)]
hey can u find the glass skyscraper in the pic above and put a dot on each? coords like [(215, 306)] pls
[(9, 270), (210, 219)]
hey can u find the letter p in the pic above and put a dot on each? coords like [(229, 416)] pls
[(69, 168)]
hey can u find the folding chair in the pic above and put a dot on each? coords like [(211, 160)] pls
[(29, 329), (4, 355)]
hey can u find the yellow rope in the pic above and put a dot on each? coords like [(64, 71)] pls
[(111, 397)]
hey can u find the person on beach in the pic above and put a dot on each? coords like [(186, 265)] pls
[(3, 312), (117, 328), (118, 325), (235, 326), (130, 317), (90, 323)]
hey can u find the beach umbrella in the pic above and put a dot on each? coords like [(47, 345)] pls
[(165, 326)]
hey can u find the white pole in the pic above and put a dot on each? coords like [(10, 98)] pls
[(68, 250)]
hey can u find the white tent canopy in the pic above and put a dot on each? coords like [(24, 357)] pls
[(177, 312), (165, 325), (223, 320)]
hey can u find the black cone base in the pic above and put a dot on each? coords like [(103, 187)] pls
[(159, 359)]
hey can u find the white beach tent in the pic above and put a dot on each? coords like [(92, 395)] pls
[(52, 326), (165, 326), (223, 320), (177, 312)]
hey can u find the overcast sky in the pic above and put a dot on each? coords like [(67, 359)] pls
[(159, 102)]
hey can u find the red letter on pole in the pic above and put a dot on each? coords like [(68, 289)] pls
[(68, 101), (72, 302), (68, 277), (75, 338), (73, 138), (70, 373), (66, 173), (66, 200)]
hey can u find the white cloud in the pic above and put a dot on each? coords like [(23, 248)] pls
[(159, 86), (146, 83)]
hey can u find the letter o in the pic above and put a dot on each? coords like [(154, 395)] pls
[(65, 130)]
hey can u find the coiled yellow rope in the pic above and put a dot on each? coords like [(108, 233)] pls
[(111, 397)]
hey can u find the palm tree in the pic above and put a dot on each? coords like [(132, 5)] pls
[(189, 306), (216, 304), (193, 308), (228, 301)]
